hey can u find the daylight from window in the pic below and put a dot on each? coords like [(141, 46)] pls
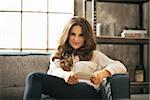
[(32, 25)]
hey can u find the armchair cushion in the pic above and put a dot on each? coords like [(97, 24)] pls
[(115, 88)]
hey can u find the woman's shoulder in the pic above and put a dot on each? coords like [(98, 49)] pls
[(97, 52)]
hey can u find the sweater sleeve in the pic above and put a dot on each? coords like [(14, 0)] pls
[(56, 70), (104, 62)]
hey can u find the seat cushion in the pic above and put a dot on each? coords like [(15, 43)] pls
[(11, 93), (13, 71)]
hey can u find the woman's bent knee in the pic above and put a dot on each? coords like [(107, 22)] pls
[(33, 76)]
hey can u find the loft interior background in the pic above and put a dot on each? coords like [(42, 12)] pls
[(35, 25), (122, 15)]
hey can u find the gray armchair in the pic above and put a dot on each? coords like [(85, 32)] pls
[(113, 88)]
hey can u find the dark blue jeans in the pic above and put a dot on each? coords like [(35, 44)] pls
[(40, 83)]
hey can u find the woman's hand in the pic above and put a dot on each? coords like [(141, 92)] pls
[(98, 76), (73, 79)]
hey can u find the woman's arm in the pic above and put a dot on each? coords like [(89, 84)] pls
[(107, 67), (104, 62)]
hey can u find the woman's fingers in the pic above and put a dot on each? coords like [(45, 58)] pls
[(73, 79), (95, 79)]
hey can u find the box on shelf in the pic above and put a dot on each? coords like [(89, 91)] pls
[(133, 33)]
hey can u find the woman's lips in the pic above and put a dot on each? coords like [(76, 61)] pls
[(75, 43)]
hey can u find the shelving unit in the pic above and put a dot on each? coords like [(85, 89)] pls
[(138, 87), (120, 40), (126, 41), (138, 2)]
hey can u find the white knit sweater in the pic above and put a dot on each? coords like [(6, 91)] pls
[(99, 61)]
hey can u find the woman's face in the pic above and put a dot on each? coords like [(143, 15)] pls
[(76, 38)]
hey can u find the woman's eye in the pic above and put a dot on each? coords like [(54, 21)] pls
[(81, 35), (72, 34)]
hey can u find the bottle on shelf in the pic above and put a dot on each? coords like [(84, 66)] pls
[(99, 29), (139, 73)]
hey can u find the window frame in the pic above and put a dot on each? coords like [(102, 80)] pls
[(21, 48)]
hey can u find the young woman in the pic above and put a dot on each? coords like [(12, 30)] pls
[(76, 52)]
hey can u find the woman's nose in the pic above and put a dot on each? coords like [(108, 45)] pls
[(76, 38)]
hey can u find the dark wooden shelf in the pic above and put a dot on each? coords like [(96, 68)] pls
[(139, 87), (126, 41), (139, 83), (121, 40), (123, 1)]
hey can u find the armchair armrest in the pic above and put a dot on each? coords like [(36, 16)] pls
[(115, 87)]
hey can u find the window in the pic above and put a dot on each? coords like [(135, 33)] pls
[(32, 25)]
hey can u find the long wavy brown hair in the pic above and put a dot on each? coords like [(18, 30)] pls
[(65, 51)]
